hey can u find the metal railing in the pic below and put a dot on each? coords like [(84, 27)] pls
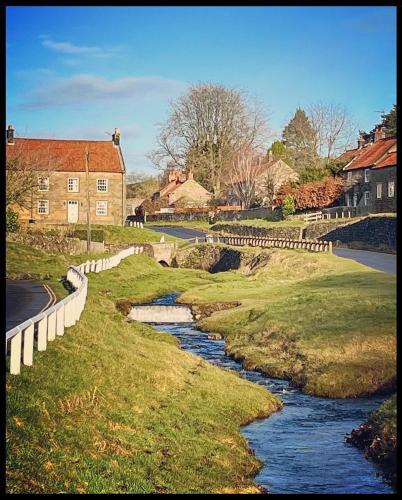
[(47, 325)]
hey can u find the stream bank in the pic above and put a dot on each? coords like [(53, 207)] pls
[(302, 446)]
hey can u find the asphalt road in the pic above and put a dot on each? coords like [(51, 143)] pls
[(24, 299), (377, 260), (179, 232), (385, 262)]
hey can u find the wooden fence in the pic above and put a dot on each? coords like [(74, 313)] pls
[(45, 326), (311, 245)]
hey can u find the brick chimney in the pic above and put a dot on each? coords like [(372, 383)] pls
[(379, 133), (361, 141), (10, 135), (116, 137)]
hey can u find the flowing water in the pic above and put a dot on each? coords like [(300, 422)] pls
[(302, 446)]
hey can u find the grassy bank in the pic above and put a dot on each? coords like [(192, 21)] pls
[(378, 438), (116, 407), (120, 234), (325, 322)]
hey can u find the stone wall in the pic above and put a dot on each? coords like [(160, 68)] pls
[(262, 232), (50, 241), (375, 231), (227, 215), (314, 231)]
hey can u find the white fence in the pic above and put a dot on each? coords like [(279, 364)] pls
[(47, 325)]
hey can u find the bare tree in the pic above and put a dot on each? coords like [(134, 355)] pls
[(334, 128), (243, 174), (206, 128), (25, 170)]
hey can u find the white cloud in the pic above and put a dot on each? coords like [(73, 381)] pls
[(85, 88), (69, 48)]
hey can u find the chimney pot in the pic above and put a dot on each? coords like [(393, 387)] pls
[(10, 135), (379, 133), (116, 137)]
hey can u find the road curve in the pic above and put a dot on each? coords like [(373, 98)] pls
[(385, 262), (377, 260), (24, 299), (186, 233)]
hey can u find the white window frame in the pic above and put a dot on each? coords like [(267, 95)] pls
[(355, 196), (46, 207), (347, 199), (349, 178), (391, 192), (100, 203), (46, 184), (379, 190), (366, 175), (106, 181), (78, 185), (366, 197)]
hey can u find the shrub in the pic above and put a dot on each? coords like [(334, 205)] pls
[(288, 206), (12, 223), (318, 194)]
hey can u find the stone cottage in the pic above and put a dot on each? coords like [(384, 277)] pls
[(65, 192), (181, 190), (268, 177), (371, 174)]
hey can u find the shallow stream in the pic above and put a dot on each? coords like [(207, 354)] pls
[(302, 446)]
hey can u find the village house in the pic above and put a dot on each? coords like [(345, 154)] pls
[(64, 189), (181, 190), (265, 177), (371, 173)]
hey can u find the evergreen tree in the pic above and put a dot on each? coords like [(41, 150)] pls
[(278, 151), (389, 122), (300, 140)]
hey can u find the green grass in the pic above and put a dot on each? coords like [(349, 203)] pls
[(325, 322), (25, 262), (120, 234), (116, 407)]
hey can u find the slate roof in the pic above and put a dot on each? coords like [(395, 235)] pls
[(63, 155)]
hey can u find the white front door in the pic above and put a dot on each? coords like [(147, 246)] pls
[(72, 211)]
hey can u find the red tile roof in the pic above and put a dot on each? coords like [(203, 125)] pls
[(388, 161), (370, 154), (349, 155), (64, 155)]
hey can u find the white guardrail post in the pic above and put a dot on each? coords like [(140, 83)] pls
[(53, 321)]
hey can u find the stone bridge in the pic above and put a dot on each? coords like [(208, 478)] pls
[(163, 252)]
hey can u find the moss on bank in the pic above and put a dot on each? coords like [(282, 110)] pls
[(377, 437), (117, 407)]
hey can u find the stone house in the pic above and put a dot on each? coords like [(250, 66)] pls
[(371, 174), (63, 188), (181, 190), (268, 177)]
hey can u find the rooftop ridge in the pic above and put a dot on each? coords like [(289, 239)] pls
[(66, 140)]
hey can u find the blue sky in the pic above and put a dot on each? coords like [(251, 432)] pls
[(78, 72)]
